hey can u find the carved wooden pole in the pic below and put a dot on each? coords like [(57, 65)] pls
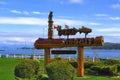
[(47, 56), (80, 61), (50, 26), (50, 36)]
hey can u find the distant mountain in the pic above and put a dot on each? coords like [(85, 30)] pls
[(108, 45), (30, 46), (14, 46)]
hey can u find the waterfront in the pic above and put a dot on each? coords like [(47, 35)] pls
[(88, 53)]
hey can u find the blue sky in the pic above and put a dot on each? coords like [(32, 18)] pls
[(24, 21)]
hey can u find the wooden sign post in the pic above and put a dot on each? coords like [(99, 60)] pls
[(47, 56), (80, 43), (80, 61)]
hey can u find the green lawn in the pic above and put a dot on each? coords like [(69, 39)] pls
[(7, 66), (95, 78)]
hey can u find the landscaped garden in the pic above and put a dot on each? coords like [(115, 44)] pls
[(103, 70)]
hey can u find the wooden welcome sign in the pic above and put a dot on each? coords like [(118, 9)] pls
[(50, 42)]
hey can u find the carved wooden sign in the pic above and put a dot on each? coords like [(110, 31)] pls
[(80, 43), (42, 43)]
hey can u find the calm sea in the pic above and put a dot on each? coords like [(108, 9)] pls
[(88, 53)]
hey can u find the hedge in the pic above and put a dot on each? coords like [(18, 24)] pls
[(27, 69), (60, 70)]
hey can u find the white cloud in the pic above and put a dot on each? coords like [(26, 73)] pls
[(115, 35), (42, 21), (2, 2), (17, 37), (76, 1), (113, 39), (16, 40), (26, 12), (36, 21), (75, 22), (101, 15), (61, 2), (68, 17), (16, 11), (94, 23), (68, 22), (108, 30), (115, 18), (36, 12), (116, 6), (20, 12), (33, 33), (23, 20)]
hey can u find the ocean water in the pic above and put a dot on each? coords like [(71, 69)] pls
[(88, 53)]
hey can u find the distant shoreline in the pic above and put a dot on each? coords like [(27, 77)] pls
[(109, 46)]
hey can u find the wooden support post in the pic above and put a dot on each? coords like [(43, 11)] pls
[(47, 56), (80, 61)]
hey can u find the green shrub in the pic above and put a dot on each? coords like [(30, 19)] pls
[(106, 71), (114, 69), (100, 70), (118, 67), (74, 64), (88, 64), (55, 59), (60, 70), (111, 62), (33, 64), (89, 71), (107, 67), (43, 77), (23, 71), (27, 69)]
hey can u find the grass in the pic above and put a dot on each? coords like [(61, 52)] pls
[(95, 78), (7, 66)]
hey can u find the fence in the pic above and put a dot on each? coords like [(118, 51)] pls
[(22, 56)]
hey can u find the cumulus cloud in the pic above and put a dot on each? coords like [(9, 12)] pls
[(67, 21), (37, 12), (20, 12), (61, 2), (19, 34), (16, 40), (2, 3), (27, 13), (42, 21), (109, 30), (17, 37), (110, 38), (101, 15), (116, 6), (115, 35), (76, 1), (94, 23), (36, 21), (16, 11), (115, 18), (23, 20)]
